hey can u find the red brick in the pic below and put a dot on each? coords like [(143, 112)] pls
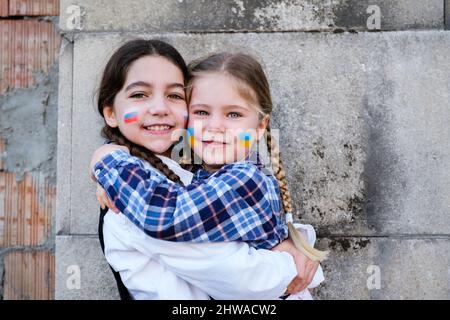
[(26, 209), (26, 46), (33, 7), (29, 275), (4, 8)]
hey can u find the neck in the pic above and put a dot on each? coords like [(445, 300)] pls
[(166, 153)]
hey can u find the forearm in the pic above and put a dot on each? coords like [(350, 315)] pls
[(227, 270), (255, 276), (209, 211), (101, 152)]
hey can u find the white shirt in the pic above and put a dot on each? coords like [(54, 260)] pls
[(156, 269)]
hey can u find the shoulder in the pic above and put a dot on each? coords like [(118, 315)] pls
[(247, 178), (244, 170)]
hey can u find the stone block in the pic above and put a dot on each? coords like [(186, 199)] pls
[(82, 272)]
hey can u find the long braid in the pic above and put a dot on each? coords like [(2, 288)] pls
[(280, 174), (116, 136)]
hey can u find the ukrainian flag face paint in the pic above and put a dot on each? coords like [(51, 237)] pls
[(190, 136), (245, 140)]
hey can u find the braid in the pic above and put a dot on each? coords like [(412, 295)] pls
[(278, 171), (280, 174), (138, 151)]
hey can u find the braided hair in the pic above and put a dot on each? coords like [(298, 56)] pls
[(280, 174)]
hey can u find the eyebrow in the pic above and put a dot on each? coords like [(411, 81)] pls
[(199, 105), (148, 85), (231, 106)]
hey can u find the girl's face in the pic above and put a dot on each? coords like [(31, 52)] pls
[(222, 124), (151, 104)]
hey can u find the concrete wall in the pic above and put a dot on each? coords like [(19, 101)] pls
[(364, 121)]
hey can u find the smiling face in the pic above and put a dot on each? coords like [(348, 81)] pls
[(224, 125), (151, 105)]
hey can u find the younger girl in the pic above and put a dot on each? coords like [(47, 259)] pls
[(124, 177)]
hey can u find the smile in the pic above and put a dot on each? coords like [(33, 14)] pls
[(158, 128)]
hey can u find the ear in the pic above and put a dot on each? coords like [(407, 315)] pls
[(110, 117), (262, 126)]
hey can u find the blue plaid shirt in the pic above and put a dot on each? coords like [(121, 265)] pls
[(237, 203)]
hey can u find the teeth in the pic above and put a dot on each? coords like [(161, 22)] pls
[(158, 128)]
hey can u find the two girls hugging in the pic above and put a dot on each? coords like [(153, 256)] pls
[(185, 231)]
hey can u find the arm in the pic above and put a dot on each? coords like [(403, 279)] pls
[(223, 270), (143, 275), (235, 204), (229, 270)]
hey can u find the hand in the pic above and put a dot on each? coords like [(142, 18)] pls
[(306, 268), (103, 199), (100, 153)]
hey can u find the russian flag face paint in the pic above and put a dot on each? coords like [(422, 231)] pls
[(130, 117), (245, 139)]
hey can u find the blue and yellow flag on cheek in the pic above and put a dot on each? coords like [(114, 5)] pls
[(190, 136), (245, 139)]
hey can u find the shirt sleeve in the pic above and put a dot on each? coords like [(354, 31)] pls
[(234, 204)]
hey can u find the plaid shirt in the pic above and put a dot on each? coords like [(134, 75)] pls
[(237, 203)]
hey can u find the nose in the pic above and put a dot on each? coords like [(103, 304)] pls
[(158, 107), (215, 124)]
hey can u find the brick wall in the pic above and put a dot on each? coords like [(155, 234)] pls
[(29, 46)]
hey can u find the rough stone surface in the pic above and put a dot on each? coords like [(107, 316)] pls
[(411, 269), (447, 14), (78, 255), (62, 223), (247, 15), (31, 115), (394, 15)]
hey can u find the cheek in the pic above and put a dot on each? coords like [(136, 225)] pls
[(181, 115)]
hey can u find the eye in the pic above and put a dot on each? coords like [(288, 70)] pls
[(201, 113), (234, 115), (138, 95), (176, 96)]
